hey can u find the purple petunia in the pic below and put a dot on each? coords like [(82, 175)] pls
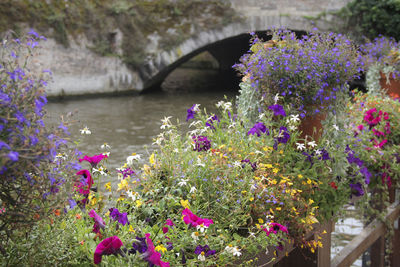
[(191, 112), (258, 129), (282, 138), (205, 250), (210, 122), (122, 218), (357, 190), (278, 110), (13, 155)]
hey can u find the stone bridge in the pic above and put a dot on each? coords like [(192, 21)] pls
[(97, 74)]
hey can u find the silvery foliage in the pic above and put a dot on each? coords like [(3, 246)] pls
[(249, 103), (373, 76)]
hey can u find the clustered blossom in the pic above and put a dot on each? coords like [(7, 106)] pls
[(258, 129), (201, 143), (203, 252), (85, 183), (278, 110), (274, 228)]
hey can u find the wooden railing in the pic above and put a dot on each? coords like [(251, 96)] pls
[(373, 235)]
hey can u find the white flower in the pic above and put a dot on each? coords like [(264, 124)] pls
[(251, 234), (318, 152), (261, 116), (237, 164), (131, 195), (312, 144), (201, 256), (228, 106), (300, 146), (85, 130), (253, 187), (294, 118), (60, 156), (196, 107), (183, 182), (195, 236), (199, 163), (233, 125), (236, 251), (130, 159), (266, 251), (100, 170), (106, 154), (166, 123), (276, 98), (195, 123), (105, 146), (229, 248), (192, 190), (336, 127), (292, 128), (201, 228), (220, 103)]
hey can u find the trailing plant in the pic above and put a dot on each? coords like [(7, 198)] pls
[(36, 162)]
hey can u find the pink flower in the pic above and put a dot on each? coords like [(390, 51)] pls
[(193, 220), (93, 160), (152, 256), (370, 119), (88, 181), (275, 228), (360, 127), (169, 223), (98, 221), (109, 246), (381, 144)]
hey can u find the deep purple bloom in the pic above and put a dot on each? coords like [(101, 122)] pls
[(278, 110), (357, 190), (191, 112), (139, 245), (282, 138), (258, 129), (210, 122), (206, 249), (201, 143), (122, 218), (364, 171)]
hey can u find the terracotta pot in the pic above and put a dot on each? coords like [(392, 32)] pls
[(309, 122), (391, 86)]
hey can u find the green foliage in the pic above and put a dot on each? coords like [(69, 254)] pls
[(372, 18)]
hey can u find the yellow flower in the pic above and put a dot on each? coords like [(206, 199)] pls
[(260, 220), (121, 198), (278, 208), (300, 176), (108, 186), (138, 203), (275, 170), (185, 203), (160, 248), (131, 229), (310, 201), (252, 198), (152, 159), (269, 166)]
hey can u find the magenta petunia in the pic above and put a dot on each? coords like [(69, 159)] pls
[(93, 160), (151, 255), (98, 221), (193, 220), (275, 228), (109, 246), (87, 182)]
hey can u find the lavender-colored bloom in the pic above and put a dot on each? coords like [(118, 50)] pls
[(357, 190), (72, 203), (258, 129), (3, 144), (13, 155), (278, 110), (4, 98), (201, 143), (191, 112)]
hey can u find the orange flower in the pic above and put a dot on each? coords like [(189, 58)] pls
[(57, 212), (78, 216), (36, 216), (82, 242)]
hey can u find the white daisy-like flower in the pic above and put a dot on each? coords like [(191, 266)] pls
[(261, 116), (132, 195), (166, 123), (183, 182), (85, 130), (201, 228), (201, 256), (100, 170), (60, 156), (132, 158), (335, 127), (195, 236), (196, 107), (105, 146), (194, 123), (192, 190), (236, 251), (237, 164), (312, 144), (292, 128), (227, 106), (294, 118), (300, 146), (318, 152)]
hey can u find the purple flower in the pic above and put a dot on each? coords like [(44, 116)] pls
[(364, 171), (278, 110), (191, 112), (205, 249), (13, 155), (357, 190), (98, 221), (122, 218), (201, 143), (258, 129), (282, 138), (210, 122), (3, 144), (139, 245)]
